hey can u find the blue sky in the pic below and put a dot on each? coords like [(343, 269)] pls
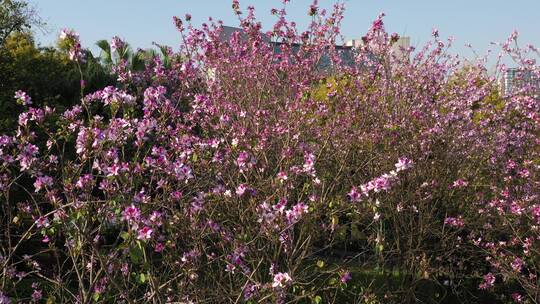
[(141, 22)]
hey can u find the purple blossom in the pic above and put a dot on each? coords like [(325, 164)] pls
[(42, 222), (37, 295), (145, 233), (403, 164), (345, 277), (517, 264), (241, 189), (281, 279), (460, 183), (42, 181), (131, 213), (68, 34), (295, 214), (454, 222), (71, 38), (518, 298), (159, 247), (489, 281), (117, 44), (4, 299), (84, 181), (354, 195), (27, 156), (23, 98)]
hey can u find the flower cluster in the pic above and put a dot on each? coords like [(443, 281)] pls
[(71, 39), (240, 152), (23, 98), (381, 183)]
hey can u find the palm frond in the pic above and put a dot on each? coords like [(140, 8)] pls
[(106, 53)]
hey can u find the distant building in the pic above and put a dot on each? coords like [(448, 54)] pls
[(346, 52), (515, 80), (400, 47), (228, 32)]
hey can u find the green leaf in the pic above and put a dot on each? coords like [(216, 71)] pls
[(317, 300), (320, 263), (106, 51), (142, 278), (124, 235), (136, 254)]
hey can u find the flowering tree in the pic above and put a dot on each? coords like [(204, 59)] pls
[(237, 171)]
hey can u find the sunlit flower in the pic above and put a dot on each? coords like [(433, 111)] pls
[(241, 189), (281, 280), (23, 98), (145, 233), (131, 213), (42, 181)]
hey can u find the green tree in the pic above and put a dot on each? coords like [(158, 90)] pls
[(16, 16), (23, 67)]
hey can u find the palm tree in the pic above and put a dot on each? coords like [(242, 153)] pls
[(122, 52)]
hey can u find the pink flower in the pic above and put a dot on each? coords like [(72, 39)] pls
[(117, 43), (75, 51), (354, 195), (84, 181), (524, 173), (131, 213), (114, 170), (4, 298), (241, 190), (27, 157), (280, 206), (345, 277), (243, 159), (435, 32), (159, 247), (403, 164), (42, 222), (381, 183), (68, 34), (145, 233), (489, 281), (536, 211), (42, 181), (515, 208), (155, 218), (454, 222), (282, 176), (23, 119), (37, 295), (517, 264), (23, 98), (460, 183), (281, 280), (309, 164), (296, 213), (518, 298)]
